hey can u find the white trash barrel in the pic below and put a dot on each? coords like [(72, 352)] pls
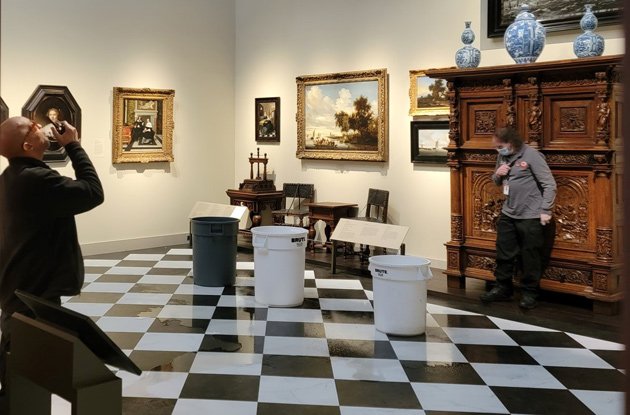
[(400, 293), (279, 265)]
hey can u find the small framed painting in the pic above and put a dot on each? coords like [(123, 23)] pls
[(267, 119), (429, 140), (428, 96)]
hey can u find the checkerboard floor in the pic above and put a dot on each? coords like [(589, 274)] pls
[(208, 350)]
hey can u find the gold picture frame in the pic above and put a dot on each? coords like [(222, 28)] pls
[(343, 116), (142, 125), (424, 99)]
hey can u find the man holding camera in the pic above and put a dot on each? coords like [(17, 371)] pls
[(39, 248)]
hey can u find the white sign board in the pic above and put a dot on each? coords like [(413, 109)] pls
[(201, 209), (370, 233)]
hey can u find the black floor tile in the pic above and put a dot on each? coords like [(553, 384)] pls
[(284, 409), (297, 366), (168, 271), (118, 278), (341, 293), (223, 387), (96, 270), (479, 353), (125, 340), (194, 299), (136, 263), (133, 310), (147, 406), (154, 288), (309, 283), (615, 358), (90, 297), (376, 394), (589, 379), (361, 348), (171, 257), (229, 343), (540, 401), (179, 325), (240, 290), (465, 321), (431, 334), (353, 317), (295, 329), (542, 338), (441, 372), (240, 313)]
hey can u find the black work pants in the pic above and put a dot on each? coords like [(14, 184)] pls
[(524, 238)]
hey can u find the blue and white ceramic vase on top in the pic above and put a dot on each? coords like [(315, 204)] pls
[(588, 43), (468, 56), (525, 38)]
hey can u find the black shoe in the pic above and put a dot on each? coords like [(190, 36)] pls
[(528, 302), (496, 294)]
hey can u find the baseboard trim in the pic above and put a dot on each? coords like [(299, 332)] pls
[(107, 247)]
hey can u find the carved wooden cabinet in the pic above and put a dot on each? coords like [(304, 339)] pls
[(571, 111)]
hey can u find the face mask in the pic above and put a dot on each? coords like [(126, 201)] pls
[(504, 151)]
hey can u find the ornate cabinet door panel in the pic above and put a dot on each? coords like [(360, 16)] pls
[(480, 118), (483, 200), (569, 121), (574, 212)]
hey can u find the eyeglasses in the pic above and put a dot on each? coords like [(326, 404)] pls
[(31, 129)]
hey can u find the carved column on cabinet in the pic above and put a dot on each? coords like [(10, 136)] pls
[(603, 109), (453, 130), (455, 277), (534, 114), (508, 99)]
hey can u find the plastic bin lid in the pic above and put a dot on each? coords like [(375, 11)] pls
[(402, 267), (278, 231)]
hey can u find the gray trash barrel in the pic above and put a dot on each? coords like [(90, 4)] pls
[(214, 250)]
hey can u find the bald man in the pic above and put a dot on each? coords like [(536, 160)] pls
[(39, 249)]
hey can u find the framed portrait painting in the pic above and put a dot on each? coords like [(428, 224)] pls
[(429, 140), (4, 111), (142, 125), (50, 103), (343, 116), (267, 119), (428, 96), (555, 15)]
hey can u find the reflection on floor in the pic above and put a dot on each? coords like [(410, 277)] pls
[(216, 351)]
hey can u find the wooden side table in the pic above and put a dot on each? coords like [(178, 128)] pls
[(330, 213), (255, 202)]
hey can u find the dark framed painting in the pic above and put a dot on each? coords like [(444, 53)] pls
[(429, 140), (267, 119), (555, 15), (142, 125), (50, 103), (4, 111), (343, 116)]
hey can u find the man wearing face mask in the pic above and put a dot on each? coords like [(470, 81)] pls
[(39, 249), (530, 191)]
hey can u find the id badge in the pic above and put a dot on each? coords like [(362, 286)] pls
[(506, 189)]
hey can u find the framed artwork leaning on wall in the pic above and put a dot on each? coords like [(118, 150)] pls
[(267, 111), (52, 103), (343, 116), (429, 140), (427, 96), (142, 125)]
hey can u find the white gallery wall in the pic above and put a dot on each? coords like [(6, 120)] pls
[(278, 40), (91, 46)]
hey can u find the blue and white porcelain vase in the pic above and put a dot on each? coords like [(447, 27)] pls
[(468, 56), (588, 43), (525, 38)]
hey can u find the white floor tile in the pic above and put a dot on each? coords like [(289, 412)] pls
[(428, 351), (177, 342), (244, 282), (602, 402), (384, 370), (438, 309), (174, 264), (59, 406), (108, 287), (227, 363), (309, 275), (339, 284), (515, 325), (239, 301), (294, 390), (91, 278), (454, 397), (296, 346), (596, 344), (295, 314), (186, 311), (209, 406), (479, 336), (357, 410), (185, 251), (430, 321), (89, 309), (100, 262), (125, 324), (145, 298), (342, 304), (353, 332), (162, 279), (245, 266), (192, 289), (310, 292), (517, 376), (566, 357), (144, 257), (165, 385), (128, 270), (237, 327)]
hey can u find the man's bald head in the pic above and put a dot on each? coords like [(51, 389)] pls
[(20, 138)]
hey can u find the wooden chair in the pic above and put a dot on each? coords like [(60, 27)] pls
[(375, 211), (295, 195)]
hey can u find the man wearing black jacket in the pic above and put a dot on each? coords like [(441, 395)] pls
[(39, 248)]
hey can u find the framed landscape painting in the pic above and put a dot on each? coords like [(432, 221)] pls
[(142, 125), (267, 119), (555, 15), (343, 116), (429, 140), (428, 96)]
